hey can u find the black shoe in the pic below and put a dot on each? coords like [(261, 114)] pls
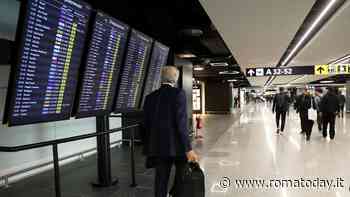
[(307, 138), (278, 131)]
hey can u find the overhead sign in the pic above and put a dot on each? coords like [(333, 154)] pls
[(321, 69), (277, 71)]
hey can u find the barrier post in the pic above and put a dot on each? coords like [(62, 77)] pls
[(56, 170)]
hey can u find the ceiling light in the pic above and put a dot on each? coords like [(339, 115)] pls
[(327, 81), (228, 72), (341, 60), (218, 64), (186, 55), (310, 29), (198, 68), (232, 80)]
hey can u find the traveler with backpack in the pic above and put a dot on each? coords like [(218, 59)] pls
[(280, 106), (329, 109), (317, 106)]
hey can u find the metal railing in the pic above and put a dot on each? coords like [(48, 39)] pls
[(54, 144)]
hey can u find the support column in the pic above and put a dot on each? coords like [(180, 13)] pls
[(347, 97), (232, 98), (104, 174)]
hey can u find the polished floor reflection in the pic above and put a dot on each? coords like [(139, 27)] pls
[(250, 150)]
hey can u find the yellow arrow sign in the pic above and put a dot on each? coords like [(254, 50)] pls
[(321, 69)]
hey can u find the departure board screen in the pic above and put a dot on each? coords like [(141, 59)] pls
[(45, 74), (133, 74), (102, 66), (159, 58)]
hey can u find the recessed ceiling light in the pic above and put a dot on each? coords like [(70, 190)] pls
[(218, 64), (186, 55), (327, 81), (198, 68), (228, 72)]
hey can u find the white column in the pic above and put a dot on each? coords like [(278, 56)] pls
[(347, 96)]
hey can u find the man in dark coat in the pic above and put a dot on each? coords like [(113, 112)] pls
[(280, 106), (342, 101), (329, 109), (303, 104), (166, 134)]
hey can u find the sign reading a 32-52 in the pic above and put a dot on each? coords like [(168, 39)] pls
[(279, 71), (331, 69)]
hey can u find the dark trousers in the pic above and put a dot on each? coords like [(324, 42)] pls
[(163, 169), (341, 107), (328, 118), (304, 116), (319, 120), (281, 115)]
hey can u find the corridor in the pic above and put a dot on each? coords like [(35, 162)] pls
[(251, 150)]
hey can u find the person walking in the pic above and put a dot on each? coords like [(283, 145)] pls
[(342, 101), (280, 106), (317, 106), (302, 105), (329, 109), (166, 134)]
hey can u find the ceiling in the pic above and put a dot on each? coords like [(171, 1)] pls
[(258, 32), (164, 20)]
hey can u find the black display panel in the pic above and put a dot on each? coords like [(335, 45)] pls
[(133, 74), (50, 40), (102, 66), (159, 58)]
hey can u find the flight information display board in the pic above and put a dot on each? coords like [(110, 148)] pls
[(159, 58), (44, 76), (102, 66), (133, 74)]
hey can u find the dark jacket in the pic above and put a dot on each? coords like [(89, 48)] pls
[(166, 131), (303, 103), (281, 102), (341, 100), (330, 103)]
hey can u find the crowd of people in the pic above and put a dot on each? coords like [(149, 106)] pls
[(328, 106)]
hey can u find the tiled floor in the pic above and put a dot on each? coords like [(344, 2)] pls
[(235, 146), (250, 149)]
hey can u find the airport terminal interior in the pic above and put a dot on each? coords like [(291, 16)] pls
[(75, 74)]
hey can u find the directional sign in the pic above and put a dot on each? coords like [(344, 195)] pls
[(259, 72), (321, 69), (251, 72), (343, 69), (276, 71)]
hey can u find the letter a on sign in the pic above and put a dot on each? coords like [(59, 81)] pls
[(268, 72)]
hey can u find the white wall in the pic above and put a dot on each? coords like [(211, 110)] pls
[(10, 162)]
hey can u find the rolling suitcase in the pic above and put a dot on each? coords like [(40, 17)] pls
[(192, 183), (309, 126)]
